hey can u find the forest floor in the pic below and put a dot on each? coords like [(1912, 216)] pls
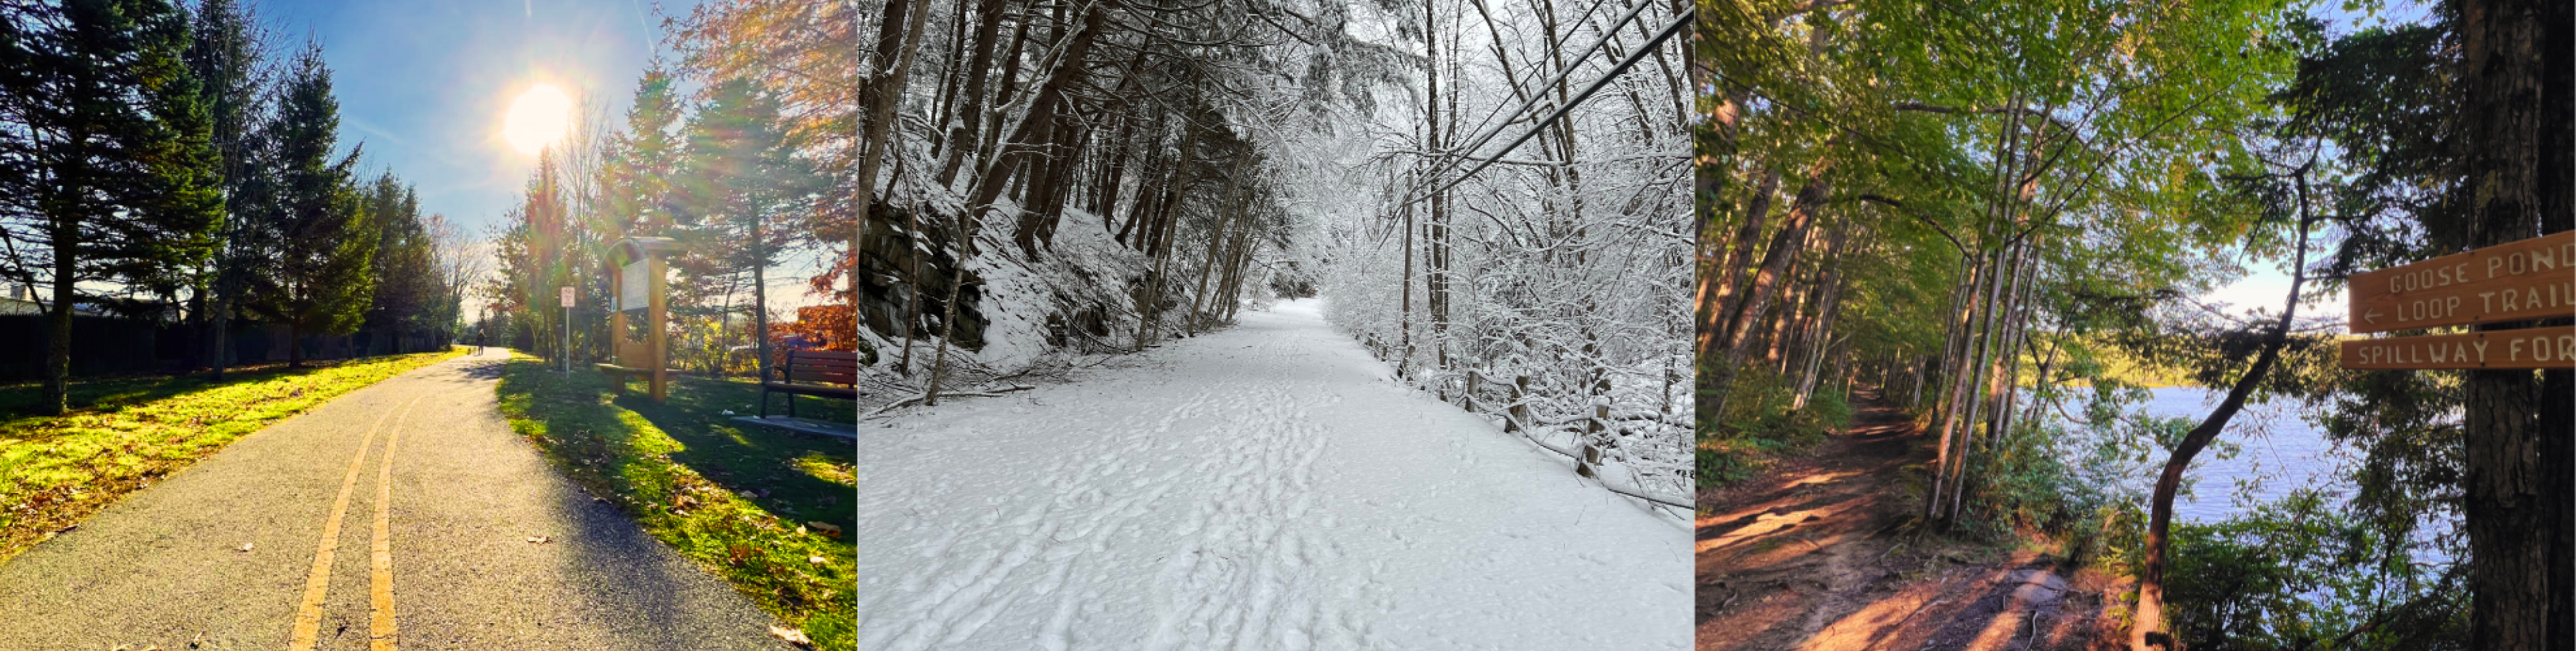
[(1265, 486), (1816, 554)]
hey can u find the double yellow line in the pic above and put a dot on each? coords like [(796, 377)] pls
[(308, 616)]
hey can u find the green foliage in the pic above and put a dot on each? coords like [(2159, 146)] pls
[(643, 158), (2298, 573), (1760, 424), (106, 168), (740, 501), (2022, 480), (318, 238), (408, 288)]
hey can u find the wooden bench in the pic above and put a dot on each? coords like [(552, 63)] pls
[(818, 373)]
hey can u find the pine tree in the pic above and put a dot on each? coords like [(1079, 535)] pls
[(406, 281), (322, 241), (109, 172), (227, 54), (740, 186), (647, 154)]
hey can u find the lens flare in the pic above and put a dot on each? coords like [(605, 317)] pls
[(538, 118)]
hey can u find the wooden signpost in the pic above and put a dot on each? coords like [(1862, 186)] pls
[(2516, 281), (2499, 349), (2530, 279), (636, 287)]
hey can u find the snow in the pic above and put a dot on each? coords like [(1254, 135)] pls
[(1268, 486)]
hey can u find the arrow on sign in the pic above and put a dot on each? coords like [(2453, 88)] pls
[(2373, 316)]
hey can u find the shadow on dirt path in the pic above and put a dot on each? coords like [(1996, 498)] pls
[(1814, 554)]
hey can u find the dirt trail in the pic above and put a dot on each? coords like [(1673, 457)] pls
[(1813, 554)]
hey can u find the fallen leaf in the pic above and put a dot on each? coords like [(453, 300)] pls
[(792, 636), (828, 530), (817, 560), (540, 539), (245, 547)]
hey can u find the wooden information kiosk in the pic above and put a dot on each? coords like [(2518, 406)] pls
[(638, 306)]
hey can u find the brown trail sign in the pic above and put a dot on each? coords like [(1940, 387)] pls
[(2530, 279), (2552, 347)]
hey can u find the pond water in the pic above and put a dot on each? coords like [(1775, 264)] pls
[(2278, 452)]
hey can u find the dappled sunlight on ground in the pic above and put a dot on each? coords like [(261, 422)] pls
[(1816, 555)]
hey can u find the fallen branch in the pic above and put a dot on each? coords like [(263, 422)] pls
[(1615, 488), (907, 402)]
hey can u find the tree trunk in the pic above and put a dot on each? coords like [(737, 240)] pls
[(759, 299), (2515, 110), (1973, 383), (1954, 369), (1104, 198), (1722, 294), (1987, 365), (1811, 353), (912, 287), (1766, 281), (1010, 69), (948, 323), (58, 340), (1207, 266), (963, 138), (1405, 331), (894, 60), (2146, 630)]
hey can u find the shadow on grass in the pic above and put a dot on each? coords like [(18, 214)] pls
[(739, 499), (792, 474), (19, 402)]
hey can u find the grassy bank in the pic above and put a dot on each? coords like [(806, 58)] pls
[(763, 508), (124, 433)]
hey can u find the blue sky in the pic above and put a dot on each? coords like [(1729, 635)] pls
[(2268, 281), (425, 84)]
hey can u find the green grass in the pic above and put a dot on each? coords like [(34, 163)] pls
[(740, 499), (123, 433)]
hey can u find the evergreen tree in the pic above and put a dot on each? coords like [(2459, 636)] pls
[(321, 241), (106, 168), (739, 189), (647, 154), (227, 53), (407, 282)]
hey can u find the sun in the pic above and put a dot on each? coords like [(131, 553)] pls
[(538, 118)]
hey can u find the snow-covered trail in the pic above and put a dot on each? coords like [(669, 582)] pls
[(1263, 487)]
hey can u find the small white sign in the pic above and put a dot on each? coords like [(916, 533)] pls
[(635, 285), (567, 296)]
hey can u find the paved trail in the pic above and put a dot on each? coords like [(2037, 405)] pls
[(430, 552), (1264, 487)]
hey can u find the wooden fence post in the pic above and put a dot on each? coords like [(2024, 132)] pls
[(1519, 412)]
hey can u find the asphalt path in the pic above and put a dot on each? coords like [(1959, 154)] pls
[(302, 536)]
